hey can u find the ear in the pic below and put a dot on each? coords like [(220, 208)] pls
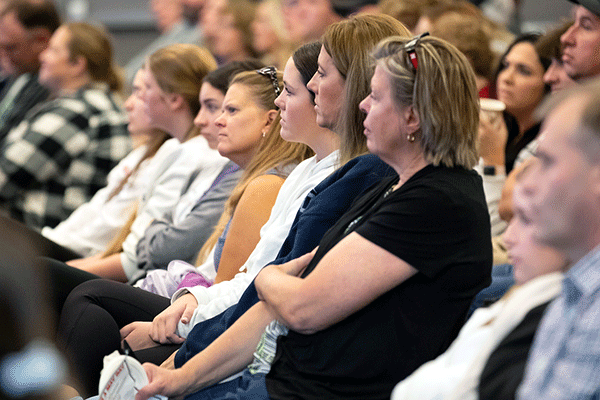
[(176, 101), (80, 65), (411, 119), (271, 115)]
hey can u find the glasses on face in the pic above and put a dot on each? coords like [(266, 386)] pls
[(271, 72), (410, 49)]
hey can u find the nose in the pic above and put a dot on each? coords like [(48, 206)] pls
[(42, 55), (198, 121), (312, 84), (129, 103), (506, 75), (279, 101), (220, 121), (550, 76), (364, 105), (567, 38)]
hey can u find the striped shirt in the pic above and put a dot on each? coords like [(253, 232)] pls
[(564, 362)]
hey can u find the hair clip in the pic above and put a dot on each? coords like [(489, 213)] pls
[(410, 48), (271, 72)]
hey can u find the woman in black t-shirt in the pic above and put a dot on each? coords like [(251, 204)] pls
[(391, 283)]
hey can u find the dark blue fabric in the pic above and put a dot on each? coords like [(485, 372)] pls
[(502, 280), (321, 209), (245, 387)]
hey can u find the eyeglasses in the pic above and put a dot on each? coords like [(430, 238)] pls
[(271, 72), (410, 48)]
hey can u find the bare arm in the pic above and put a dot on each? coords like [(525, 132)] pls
[(229, 353), (251, 213), (109, 267), (349, 277)]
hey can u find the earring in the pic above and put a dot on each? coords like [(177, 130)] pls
[(410, 138), (264, 134)]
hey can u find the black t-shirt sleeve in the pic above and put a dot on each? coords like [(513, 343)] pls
[(426, 225)]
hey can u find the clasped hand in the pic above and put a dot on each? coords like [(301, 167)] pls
[(163, 329)]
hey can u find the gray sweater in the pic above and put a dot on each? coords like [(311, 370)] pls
[(164, 241)]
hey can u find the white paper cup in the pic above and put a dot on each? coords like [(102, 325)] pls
[(491, 105)]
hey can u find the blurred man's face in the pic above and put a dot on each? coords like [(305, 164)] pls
[(18, 45), (306, 20), (581, 45), (561, 186)]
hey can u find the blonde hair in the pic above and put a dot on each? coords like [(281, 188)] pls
[(442, 91), (94, 45), (180, 69), (349, 43), (272, 153)]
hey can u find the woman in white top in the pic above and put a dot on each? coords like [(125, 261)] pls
[(90, 228), (172, 83)]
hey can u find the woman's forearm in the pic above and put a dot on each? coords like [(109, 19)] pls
[(109, 267), (229, 353)]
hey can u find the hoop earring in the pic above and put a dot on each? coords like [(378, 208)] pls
[(410, 138)]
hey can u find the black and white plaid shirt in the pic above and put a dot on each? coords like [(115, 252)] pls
[(60, 155)]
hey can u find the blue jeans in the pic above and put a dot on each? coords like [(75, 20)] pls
[(245, 387)]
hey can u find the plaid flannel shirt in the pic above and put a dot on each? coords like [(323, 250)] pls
[(61, 154), (564, 361)]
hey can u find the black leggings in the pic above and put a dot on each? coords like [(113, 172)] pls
[(42, 245), (89, 326)]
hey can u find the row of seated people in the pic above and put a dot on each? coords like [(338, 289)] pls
[(42, 199), (113, 264), (356, 240)]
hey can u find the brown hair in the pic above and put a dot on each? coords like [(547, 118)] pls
[(407, 11), (181, 68), (468, 35), (94, 45), (273, 152), (443, 93), (243, 12), (34, 13), (548, 45), (349, 43)]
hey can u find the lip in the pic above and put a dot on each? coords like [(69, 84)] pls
[(502, 92)]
